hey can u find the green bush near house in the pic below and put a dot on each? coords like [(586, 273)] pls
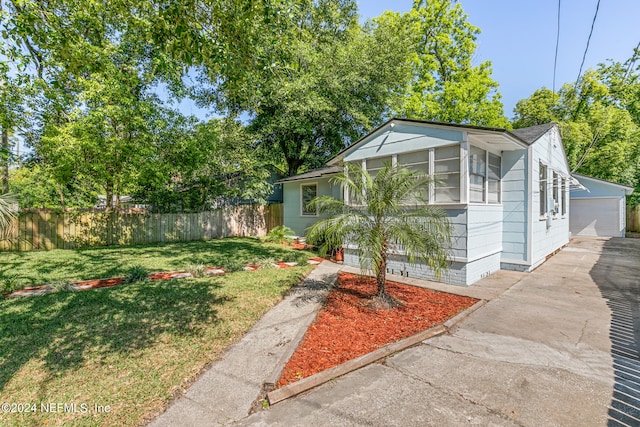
[(279, 234)]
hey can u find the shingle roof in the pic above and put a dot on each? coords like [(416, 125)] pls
[(313, 174), (532, 133)]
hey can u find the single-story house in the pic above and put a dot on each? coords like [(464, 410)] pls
[(505, 192), (598, 208)]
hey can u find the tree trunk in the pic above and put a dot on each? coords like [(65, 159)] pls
[(6, 153), (59, 187), (381, 279), (109, 195)]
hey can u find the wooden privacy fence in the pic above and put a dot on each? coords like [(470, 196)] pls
[(633, 218), (57, 230)]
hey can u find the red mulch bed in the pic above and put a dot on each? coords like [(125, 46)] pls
[(102, 283), (346, 328)]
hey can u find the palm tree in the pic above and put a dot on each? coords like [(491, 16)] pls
[(7, 214), (385, 215)]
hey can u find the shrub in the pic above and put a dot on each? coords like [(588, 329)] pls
[(197, 270), (137, 273), (232, 265), (10, 284), (295, 256), (279, 234), (264, 263), (61, 286)]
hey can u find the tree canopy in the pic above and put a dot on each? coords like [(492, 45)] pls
[(599, 121)]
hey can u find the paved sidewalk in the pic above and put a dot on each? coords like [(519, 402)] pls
[(227, 391)]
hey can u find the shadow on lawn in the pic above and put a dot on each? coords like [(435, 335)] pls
[(36, 268), (616, 274), (66, 329)]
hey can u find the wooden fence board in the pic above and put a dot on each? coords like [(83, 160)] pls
[(57, 230), (633, 219)]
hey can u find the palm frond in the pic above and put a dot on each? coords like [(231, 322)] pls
[(387, 214), (8, 213)]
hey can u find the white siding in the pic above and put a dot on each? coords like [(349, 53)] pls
[(551, 233), (515, 182)]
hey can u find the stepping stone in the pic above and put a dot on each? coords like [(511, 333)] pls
[(313, 262), (180, 275), (214, 272), (291, 264)]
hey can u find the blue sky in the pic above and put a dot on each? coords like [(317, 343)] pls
[(519, 36)]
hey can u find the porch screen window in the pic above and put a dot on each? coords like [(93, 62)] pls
[(447, 174), (374, 165), (417, 162), (555, 192), (308, 193), (494, 178), (477, 174), (543, 190)]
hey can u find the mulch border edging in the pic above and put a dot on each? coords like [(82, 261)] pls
[(320, 378)]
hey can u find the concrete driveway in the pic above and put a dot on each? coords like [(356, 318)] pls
[(559, 347)]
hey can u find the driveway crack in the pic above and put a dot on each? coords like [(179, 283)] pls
[(391, 365), (584, 328)]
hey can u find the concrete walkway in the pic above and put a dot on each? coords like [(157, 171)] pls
[(556, 347), (227, 391)]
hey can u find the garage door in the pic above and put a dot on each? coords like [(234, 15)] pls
[(595, 217)]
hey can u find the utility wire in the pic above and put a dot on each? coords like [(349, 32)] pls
[(584, 56), (555, 60)]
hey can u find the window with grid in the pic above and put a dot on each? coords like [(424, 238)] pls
[(447, 174), (555, 192), (564, 196), (308, 193), (374, 165), (477, 174), (543, 190), (495, 164), (418, 162)]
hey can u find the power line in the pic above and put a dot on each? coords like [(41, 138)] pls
[(555, 60), (595, 15)]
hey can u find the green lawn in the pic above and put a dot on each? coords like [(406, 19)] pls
[(132, 346), (39, 267)]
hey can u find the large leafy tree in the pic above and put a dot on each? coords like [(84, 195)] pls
[(198, 164), (598, 119), (328, 81), (99, 64), (385, 215), (446, 86)]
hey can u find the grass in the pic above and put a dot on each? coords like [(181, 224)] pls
[(24, 269), (132, 346)]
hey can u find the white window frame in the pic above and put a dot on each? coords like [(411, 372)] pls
[(302, 212), (499, 180), (433, 174), (556, 195), (543, 211), (563, 191), (428, 162)]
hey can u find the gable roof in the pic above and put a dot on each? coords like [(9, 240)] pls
[(524, 137), (532, 133), (627, 190), (317, 173)]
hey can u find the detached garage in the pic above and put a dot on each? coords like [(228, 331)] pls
[(597, 208)]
